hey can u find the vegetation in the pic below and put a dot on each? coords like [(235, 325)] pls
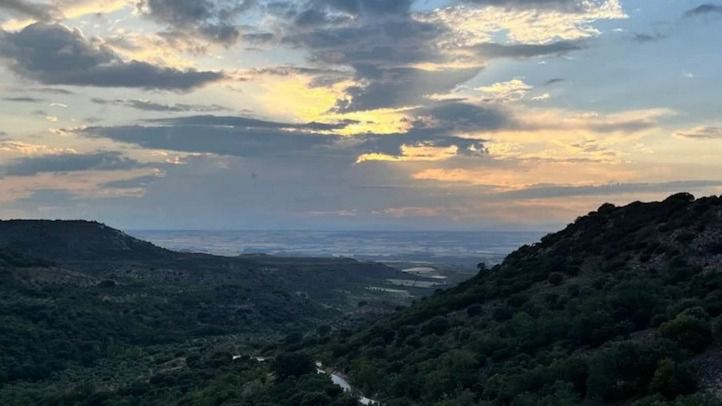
[(217, 379), (620, 307), (123, 313), (624, 306)]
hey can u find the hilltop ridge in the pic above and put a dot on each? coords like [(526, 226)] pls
[(74, 240), (624, 305)]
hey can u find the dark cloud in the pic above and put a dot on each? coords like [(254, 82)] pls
[(702, 133), (53, 54), (397, 87), (457, 116), (311, 18), (52, 90), (99, 161), (24, 99), (221, 140), (275, 143), (556, 191), (428, 137), (372, 7), (225, 135), (42, 12), (629, 126), (380, 52), (147, 105), (321, 76), (436, 126), (554, 81), (644, 38), (493, 50), (214, 20), (248, 123), (250, 137), (258, 38), (704, 9), (380, 41), (133, 183), (562, 5), (380, 44)]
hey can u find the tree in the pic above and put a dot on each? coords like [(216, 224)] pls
[(672, 379), (474, 310), (689, 332), (438, 325), (556, 278), (293, 364)]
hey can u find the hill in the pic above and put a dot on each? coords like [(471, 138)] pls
[(623, 306), (74, 240), (83, 306)]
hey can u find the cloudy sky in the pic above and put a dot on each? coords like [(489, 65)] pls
[(354, 114)]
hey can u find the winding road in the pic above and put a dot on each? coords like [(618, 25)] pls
[(342, 381), (336, 377)]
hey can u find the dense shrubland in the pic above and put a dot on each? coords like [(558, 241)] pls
[(624, 305), (86, 309)]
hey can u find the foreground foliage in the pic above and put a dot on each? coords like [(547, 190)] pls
[(86, 309), (624, 305)]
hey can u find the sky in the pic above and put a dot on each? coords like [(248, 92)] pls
[(355, 114)]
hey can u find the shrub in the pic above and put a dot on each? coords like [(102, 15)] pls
[(293, 364), (438, 325), (502, 313), (518, 299), (556, 278), (672, 379), (689, 332), (474, 310)]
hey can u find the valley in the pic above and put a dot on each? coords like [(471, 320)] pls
[(621, 307)]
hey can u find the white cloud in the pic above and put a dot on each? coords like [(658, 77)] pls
[(486, 24), (25, 148), (511, 90)]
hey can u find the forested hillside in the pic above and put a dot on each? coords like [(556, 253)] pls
[(622, 306), (85, 308)]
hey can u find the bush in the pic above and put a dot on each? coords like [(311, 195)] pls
[(293, 364), (689, 332), (556, 278), (474, 310), (518, 299), (438, 325), (672, 379)]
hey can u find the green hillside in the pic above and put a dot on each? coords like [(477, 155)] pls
[(85, 306), (622, 306)]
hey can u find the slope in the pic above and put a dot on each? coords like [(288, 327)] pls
[(621, 306)]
